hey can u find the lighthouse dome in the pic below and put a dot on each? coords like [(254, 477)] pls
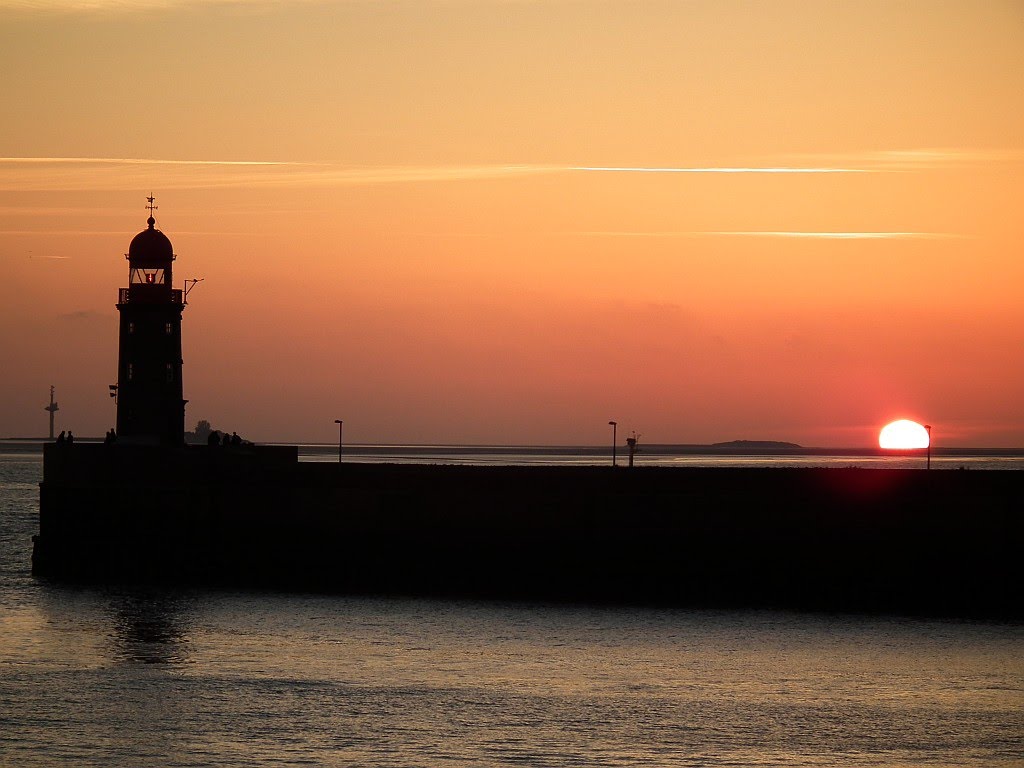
[(151, 245)]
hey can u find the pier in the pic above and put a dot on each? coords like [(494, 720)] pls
[(875, 540)]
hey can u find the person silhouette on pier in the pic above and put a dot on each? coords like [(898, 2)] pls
[(60, 438), (71, 438)]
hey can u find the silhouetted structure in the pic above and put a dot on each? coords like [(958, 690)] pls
[(148, 508), (150, 406), (928, 429), (631, 443), (52, 408)]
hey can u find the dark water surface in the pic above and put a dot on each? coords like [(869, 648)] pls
[(156, 678)]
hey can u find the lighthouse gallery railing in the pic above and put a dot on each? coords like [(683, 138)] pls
[(146, 294)]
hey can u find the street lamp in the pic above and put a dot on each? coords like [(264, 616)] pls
[(928, 427), (614, 425), (340, 424)]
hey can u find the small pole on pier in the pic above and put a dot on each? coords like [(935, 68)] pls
[(614, 425), (928, 427), (631, 442), (340, 424)]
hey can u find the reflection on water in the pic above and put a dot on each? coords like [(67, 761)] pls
[(150, 628), (242, 679)]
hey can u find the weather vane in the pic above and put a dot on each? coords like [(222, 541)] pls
[(151, 207)]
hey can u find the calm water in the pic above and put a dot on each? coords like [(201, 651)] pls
[(115, 677), (648, 457)]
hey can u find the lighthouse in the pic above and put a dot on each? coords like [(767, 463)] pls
[(150, 407)]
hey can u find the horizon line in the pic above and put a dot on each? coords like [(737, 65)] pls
[(728, 445)]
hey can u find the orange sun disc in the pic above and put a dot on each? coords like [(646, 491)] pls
[(903, 435)]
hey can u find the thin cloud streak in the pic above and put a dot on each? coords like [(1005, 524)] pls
[(112, 173), (82, 174), (766, 233), (842, 235), (114, 233), (69, 232), (137, 161), (8, 211), (750, 169), (128, 6), (905, 160), (75, 174), (858, 162), (591, 233)]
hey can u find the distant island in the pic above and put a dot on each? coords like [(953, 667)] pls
[(758, 444)]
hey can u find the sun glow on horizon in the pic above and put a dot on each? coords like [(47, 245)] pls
[(903, 435)]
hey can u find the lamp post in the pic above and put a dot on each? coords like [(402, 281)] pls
[(614, 425), (928, 427), (112, 388), (341, 426)]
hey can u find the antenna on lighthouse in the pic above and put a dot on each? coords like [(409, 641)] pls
[(52, 408), (189, 285)]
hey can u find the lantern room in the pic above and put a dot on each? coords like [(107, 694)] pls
[(150, 257)]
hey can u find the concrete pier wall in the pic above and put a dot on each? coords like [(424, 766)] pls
[(903, 541)]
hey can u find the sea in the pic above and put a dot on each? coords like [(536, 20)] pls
[(119, 676)]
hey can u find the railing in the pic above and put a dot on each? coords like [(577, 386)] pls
[(148, 294)]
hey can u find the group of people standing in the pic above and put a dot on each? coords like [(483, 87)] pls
[(68, 438), (215, 438), (223, 438)]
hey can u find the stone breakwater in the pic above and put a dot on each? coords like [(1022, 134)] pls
[(874, 540)]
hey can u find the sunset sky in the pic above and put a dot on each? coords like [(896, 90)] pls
[(505, 221)]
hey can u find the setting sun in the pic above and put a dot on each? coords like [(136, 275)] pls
[(903, 435)]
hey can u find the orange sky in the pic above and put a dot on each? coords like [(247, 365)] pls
[(509, 222)]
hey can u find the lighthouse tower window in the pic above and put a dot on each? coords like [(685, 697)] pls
[(146, 276), (131, 371), (168, 328), (170, 372)]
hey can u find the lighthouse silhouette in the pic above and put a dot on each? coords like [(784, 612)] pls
[(150, 407)]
